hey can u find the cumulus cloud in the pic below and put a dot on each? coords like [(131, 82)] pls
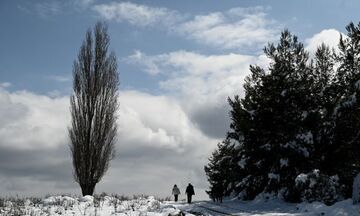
[(34, 156), (158, 121), (330, 37), (201, 82), (40, 120), (136, 14), (232, 29)]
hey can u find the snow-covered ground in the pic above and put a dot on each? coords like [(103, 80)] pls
[(111, 205)]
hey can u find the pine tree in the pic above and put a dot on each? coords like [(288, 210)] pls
[(325, 97), (346, 143), (299, 117), (288, 103), (278, 143), (273, 122)]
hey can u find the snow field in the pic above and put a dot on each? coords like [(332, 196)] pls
[(116, 206), (87, 205)]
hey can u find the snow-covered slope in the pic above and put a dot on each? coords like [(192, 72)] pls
[(112, 205)]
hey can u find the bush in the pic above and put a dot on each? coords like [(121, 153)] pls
[(315, 186)]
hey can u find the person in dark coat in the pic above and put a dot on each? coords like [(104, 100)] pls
[(175, 192), (189, 192)]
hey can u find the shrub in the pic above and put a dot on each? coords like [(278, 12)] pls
[(315, 186)]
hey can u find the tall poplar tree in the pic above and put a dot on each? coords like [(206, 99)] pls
[(94, 103)]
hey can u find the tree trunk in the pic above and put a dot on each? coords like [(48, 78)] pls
[(87, 189)]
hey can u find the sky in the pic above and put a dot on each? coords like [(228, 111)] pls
[(178, 62)]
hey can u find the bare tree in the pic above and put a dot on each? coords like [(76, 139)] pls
[(93, 106)]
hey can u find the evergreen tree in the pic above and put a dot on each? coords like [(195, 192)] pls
[(276, 122), (299, 118), (346, 143), (272, 118), (326, 97)]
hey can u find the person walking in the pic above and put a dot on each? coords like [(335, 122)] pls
[(175, 192), (189, 192)]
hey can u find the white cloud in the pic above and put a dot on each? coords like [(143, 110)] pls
[(149, 64), (205, 78), (32, 121), (201, 82), (232, 29), (235, 28), (330, 37), (136, 14), (157, 121), (197, 75), (144, 119)]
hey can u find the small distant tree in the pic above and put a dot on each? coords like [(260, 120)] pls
[(93, 106)]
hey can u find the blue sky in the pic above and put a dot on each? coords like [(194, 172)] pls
[(178, 62), (42, 42)]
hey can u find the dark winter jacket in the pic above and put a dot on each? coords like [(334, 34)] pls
[(190, 190)]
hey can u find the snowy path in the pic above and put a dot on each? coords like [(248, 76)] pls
[(268, 208), (216, 208), (237, 208), (216, 211)]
